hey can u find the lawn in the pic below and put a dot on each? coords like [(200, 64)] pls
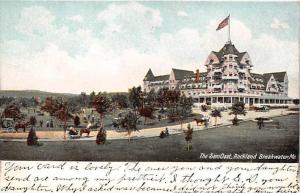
[(108, 120), (245, 138)]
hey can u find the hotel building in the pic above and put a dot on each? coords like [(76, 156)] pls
[(228, 78)]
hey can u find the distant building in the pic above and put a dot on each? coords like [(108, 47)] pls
[(228, 78)]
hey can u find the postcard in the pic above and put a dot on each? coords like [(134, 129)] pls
[(149, 96)]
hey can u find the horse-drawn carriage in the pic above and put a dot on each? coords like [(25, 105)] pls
[(73, 133), (7, 124), (202, 120), (10, 125)]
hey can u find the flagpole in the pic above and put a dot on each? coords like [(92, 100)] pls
[(229, 30)]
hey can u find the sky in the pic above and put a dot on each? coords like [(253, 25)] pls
[(78, 47)]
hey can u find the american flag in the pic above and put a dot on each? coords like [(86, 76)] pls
[(223, 23)]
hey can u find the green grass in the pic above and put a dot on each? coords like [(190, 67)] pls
[(245, 138)]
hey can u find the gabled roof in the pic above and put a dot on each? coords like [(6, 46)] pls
[(149, 76), (255, 76), (180, 74), (267, 78), (201, 74), (161, 77), (279, 76), (229, 48)]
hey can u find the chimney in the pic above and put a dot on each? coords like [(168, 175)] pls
[(197, 76)]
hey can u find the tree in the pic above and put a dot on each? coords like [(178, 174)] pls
[(63, 115), (185, 107), (76, 121), (59, 109), (151, 97), (172, 97), (120, 100), (102, 104), (162, 98), (32, 139), (179, 108), (186, 103), (6, 100), (238, 108), (50, 105), (136, 97), (173, 114), (146, 112), (32, 121), (129, 122), (74, 104), (216, 113), (83, 99), (12, 111), (27, 102), (91, 97)]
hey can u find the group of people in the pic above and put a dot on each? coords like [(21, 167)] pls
[(49, 123), (164, 133)]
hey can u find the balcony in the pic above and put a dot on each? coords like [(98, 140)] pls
[(217, 77), (217, 86), (241, 86), (218, 70), (240, 70), (230, 77)]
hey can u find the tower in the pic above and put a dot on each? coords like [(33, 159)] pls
[(228, 70)]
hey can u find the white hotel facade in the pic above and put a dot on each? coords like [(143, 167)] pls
[(228, 78)]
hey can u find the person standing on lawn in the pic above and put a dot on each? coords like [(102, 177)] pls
[(260, 123), (188, 136)]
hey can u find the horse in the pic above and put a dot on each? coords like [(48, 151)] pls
[(85, 130), (201, 121), (22, 125)]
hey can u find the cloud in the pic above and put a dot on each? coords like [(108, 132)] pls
[(66, 60), (35, 20), (277, 24), (76, 18), (182, 47), (182, 14), (129, 25)]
